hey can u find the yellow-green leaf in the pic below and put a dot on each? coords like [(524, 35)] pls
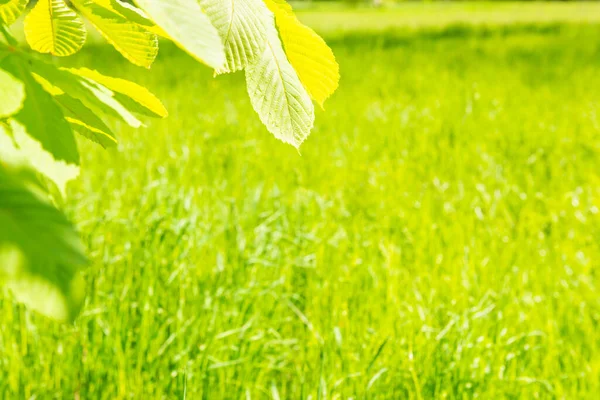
[(83, 120), (277, 94), (312, 59), (11, 10), (135, 92), (93, 95), (134, 42), (52, 27), (189, 27)]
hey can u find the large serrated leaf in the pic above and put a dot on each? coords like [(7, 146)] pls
[(312, 59), (134, 42), (277, 94), (41, 255), (242, 25), (52, 27), (189, 27), (11, 10)]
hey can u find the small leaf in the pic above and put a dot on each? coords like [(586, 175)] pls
[(52, 27), (135, 92), (81, 118), (277, 94), (85, 122), (41, 255), (11, 10), (188, 26), (242, 25), (12, 93), (109, 103), (100, 100), (312, 59), (135, 43)]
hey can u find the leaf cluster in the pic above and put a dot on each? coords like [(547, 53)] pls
[(43, 107)]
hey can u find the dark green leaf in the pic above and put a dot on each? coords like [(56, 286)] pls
[(41, 116)]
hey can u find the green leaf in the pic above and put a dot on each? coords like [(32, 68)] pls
[(242, 25), (134, 42), (12, 93), (81, 118), (41, 255), (277, 94), (100, 100), (52, 27), (11, 10), (129, 11), (41, 116), (133, 14), (110, 104), (85, 122), (189, 27), (131, 90), (18, 149)]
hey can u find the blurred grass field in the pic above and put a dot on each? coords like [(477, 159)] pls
[(437, 238), (334, 18)]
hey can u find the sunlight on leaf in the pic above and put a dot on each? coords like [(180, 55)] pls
[(277, 94), (135, 92), (312, 59), (11, 10), (188, 26), (135, 43), (94, 96), (52, 27), (242, 25)]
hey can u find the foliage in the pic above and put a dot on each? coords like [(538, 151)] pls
[(43, 106)]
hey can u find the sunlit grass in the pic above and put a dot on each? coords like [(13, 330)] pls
[(438, 236), (333, 18)]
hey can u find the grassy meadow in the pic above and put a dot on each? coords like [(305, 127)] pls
[(437, 237)]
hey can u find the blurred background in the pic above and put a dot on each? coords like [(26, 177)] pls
[(438, 237)]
